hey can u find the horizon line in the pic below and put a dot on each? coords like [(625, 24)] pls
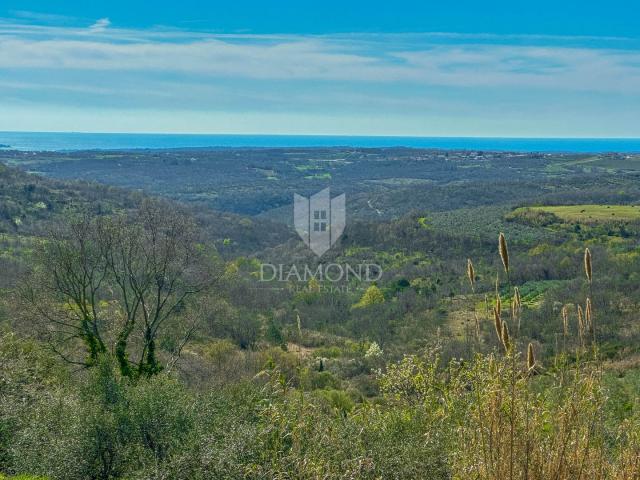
[(345, 135)]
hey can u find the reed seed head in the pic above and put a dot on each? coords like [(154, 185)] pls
[(531, 358), (588, 312), (471, 274), (587, 264), (504, 251), (516, 296), (499, 305), (516, 303)]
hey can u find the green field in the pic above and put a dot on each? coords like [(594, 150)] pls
[(590, 213)]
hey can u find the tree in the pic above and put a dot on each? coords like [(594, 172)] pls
[(111, 284), (372, 295)]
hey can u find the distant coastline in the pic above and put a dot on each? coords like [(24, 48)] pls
[(42, 141)]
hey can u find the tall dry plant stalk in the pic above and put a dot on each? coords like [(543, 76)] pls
[(587, 265), (471, 274), (497, 322), (516, 306), (591, 327), (299, 324), (590, 324), (565, 327), (506, 341), (487, 307), (504, 252), (588, 317), (581, 325), (516, 296), (565, 320)]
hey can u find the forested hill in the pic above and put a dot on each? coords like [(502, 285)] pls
[(30, 204), (381, 183)]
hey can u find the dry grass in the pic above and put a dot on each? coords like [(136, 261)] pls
[(516, 431), (512, 433)]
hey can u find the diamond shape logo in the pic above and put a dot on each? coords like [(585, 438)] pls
[(319, 219)]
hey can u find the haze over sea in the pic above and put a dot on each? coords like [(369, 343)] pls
[(40, 141)]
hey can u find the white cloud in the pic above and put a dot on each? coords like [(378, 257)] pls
[(411, 80), (100, 25), (358, 58)]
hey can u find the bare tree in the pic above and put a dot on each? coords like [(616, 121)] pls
[(111, 283)]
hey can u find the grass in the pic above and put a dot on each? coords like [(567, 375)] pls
[(460, 314), (590, 213)]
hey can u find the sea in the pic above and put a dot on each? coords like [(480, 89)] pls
[(69, 141)]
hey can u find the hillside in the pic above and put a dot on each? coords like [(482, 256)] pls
[(148, 312)]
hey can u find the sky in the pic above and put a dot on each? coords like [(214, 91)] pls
[(465, 68)]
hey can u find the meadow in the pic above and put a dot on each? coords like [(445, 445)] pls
[(589, 213)]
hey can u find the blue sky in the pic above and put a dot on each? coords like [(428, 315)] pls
[(550, 69)]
